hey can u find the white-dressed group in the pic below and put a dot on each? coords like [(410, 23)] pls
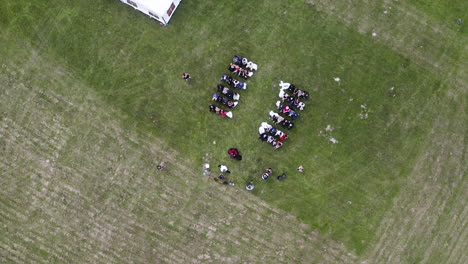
[(291, 101)]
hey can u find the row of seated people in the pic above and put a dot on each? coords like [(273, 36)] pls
[(291, 103), (226, 96), (286, 110), (229, 93), (279, 120), (233, 82), (294, 91), (267, 128), (290, 100), (271, 135), (239, 71), (236, 67), (219, 111), (244, 62), (224, 100)]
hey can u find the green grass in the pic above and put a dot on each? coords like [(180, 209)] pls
[(135, 66), (447, 12)]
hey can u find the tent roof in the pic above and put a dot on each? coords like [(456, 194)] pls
[(159, 6)]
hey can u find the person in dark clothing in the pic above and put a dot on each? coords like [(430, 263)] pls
[(234, 154), (281, 177)]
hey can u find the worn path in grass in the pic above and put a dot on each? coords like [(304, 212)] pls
[(79, 187), (427, 222)]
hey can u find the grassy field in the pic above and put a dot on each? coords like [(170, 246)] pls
[(92, 99)]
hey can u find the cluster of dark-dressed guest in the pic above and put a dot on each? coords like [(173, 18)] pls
[(226, 96), (287, 111)]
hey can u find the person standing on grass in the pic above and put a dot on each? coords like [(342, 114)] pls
[(186, 75), (223, 168), (161, 165)]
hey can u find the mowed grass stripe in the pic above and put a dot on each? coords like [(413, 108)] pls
[(454, 233), (460, 241), (425, 215), (132, 230), (19, 130), (420, 234), (178, 197), (407, 31)]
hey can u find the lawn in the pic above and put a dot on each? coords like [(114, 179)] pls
[(134, 65)]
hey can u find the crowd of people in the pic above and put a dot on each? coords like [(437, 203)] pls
[(225, 95), (291, 102), (266, 174), (223, 177)]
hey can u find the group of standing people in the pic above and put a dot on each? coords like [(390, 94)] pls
[(223, 177), (266, 174)]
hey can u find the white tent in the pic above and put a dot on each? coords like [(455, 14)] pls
[(160, 10)]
